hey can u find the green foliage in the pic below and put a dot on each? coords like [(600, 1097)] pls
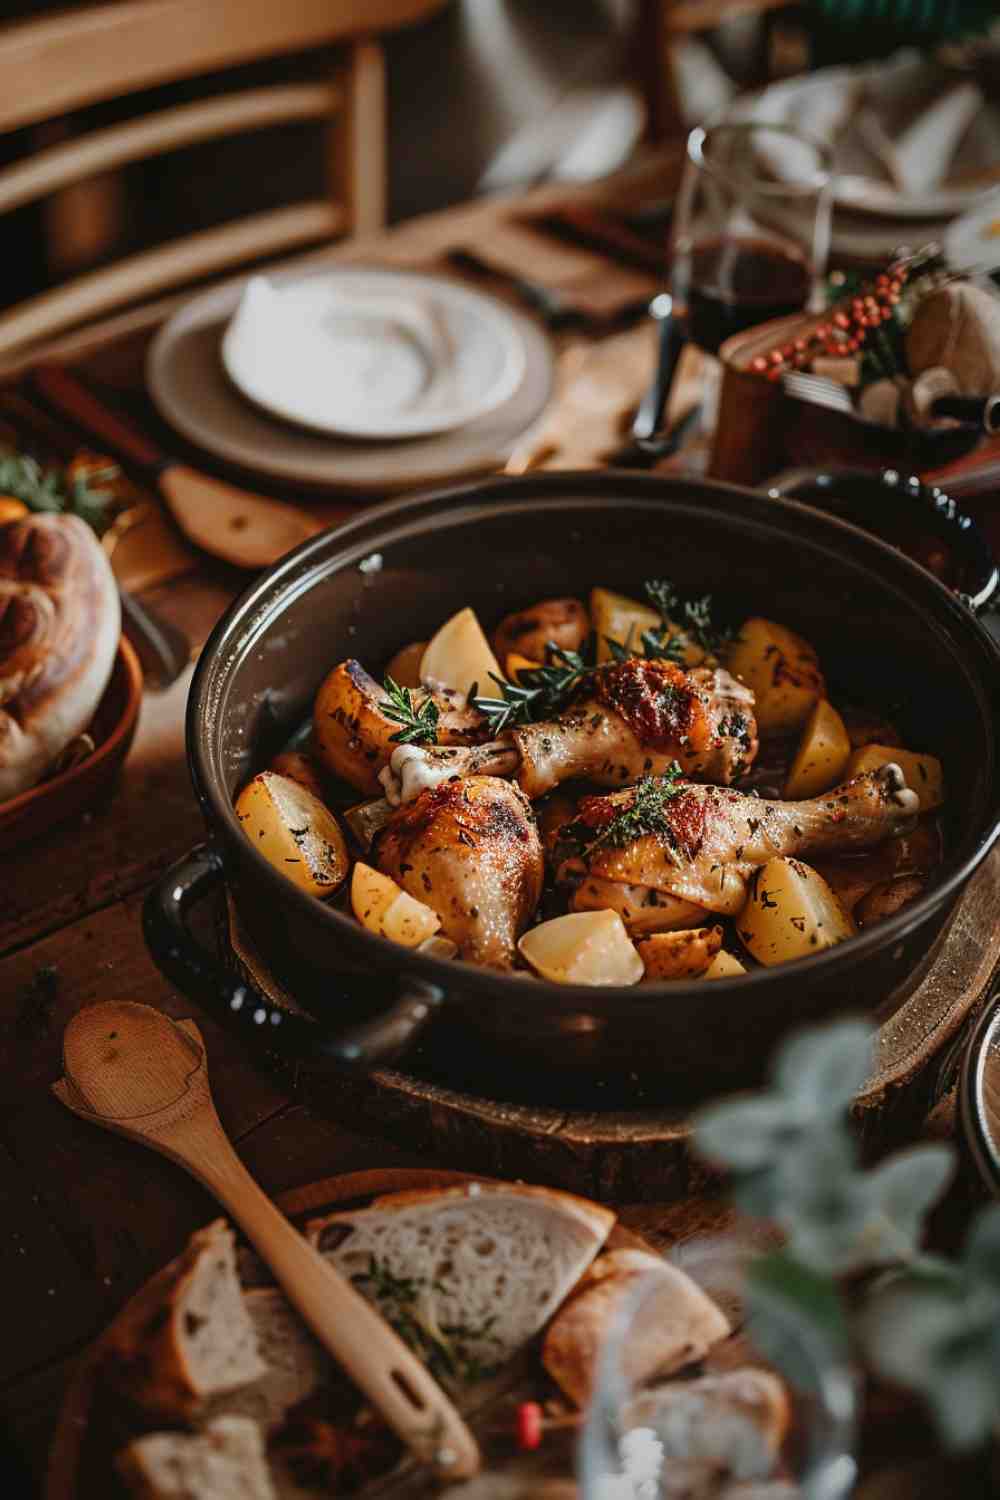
[(539, 693), (930, 1325), (419, 721), (53, 490)]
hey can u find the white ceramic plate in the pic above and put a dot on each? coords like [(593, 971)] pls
[(372, 354), (974, 239), (829, 105), (194, 395)]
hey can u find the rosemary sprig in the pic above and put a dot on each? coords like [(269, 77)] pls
[(693, 616), (644, 814), (444, 1349), (539, 693), (57, 490), (419, 721)]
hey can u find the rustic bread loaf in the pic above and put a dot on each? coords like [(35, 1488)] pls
[(734, 1422), (60, 622), (191, 1337), (470, 1274), (682, 1323), (224, 1461)]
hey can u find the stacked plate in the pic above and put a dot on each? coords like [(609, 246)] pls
[(916, 146), (351, 379)]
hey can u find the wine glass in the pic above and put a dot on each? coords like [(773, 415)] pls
[(751, 229), (637, 1443)]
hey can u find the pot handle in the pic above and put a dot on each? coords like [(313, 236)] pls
[(196, 971)]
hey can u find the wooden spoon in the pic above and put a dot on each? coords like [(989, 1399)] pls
[(246, 530), (135, 1071)]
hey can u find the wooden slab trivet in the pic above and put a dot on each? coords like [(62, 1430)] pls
[(640, 1154), (80, 1461)]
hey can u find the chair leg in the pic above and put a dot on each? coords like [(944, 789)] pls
[(358, 143)]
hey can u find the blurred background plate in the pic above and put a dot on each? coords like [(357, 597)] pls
[(372, 353), (192, 392)]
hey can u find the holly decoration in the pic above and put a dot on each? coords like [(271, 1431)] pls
[(855, 325)]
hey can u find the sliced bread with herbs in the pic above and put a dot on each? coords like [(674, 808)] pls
[(467, 1275), (296, 1363), (190, 1337)]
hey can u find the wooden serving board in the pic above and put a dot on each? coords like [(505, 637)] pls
[(631, 1152), (80, 1459)]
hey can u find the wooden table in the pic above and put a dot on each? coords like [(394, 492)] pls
[(88, 1217)]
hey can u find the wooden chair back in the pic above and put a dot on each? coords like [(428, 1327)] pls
[(65, 62)]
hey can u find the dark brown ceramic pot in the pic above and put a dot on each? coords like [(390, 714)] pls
[(883, 626)]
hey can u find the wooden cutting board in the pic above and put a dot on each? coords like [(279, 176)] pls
[(80, 1462)]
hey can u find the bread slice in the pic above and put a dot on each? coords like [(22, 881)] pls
[(679, 1326), (467, 1275), (224, 1461), (296, 1364), (735, 1422), (191, 1337)]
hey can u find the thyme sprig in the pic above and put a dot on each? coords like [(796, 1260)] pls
[(693, 616), (80, 492), (539, 693), (645, 813), (445, 1348), (419, 720)]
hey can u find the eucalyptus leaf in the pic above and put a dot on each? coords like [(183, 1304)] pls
[(794, 1317), (981, 1258), (825, 1067), (907, 1185), (747, 1132)]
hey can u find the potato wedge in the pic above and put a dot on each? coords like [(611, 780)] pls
[(405, 665), (723, 966), (923, 773), (527, 632), (679, 955), (295, 831), (783, 671), (616, 617), (458, 656), (584, 947), (386, 909), (822, 756), (298, 767), (790, 913)]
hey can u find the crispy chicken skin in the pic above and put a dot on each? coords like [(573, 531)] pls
[(713, 838), (641, 717), (470, 850)]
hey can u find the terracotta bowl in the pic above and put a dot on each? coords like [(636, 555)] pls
[(113, 726)]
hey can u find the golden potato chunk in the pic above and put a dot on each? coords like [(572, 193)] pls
[(458, 656), (386, 909), (564, 622), (790, 913), (723, 966), (923, 773), (616, 617), (294, 831), (584, 947), (781, 669), (679, 955), (822, 756), (405, 665)]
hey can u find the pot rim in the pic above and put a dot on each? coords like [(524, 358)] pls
[(274, 584)]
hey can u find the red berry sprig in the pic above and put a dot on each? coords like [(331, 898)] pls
[(845, 332)]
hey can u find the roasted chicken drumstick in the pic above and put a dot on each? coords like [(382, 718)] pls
[(470, 850), (698, 846), (637, 719)]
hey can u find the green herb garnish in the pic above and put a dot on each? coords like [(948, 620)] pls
[(646, 813), (539, 693), (54, 490), (419, 721), (690, 620), (444, 1349)]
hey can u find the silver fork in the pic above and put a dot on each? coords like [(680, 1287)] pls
[(818, 390)]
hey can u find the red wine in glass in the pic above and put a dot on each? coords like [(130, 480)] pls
[(736, 283)]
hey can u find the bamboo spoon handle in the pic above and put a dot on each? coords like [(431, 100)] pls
[(136, 1072)]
